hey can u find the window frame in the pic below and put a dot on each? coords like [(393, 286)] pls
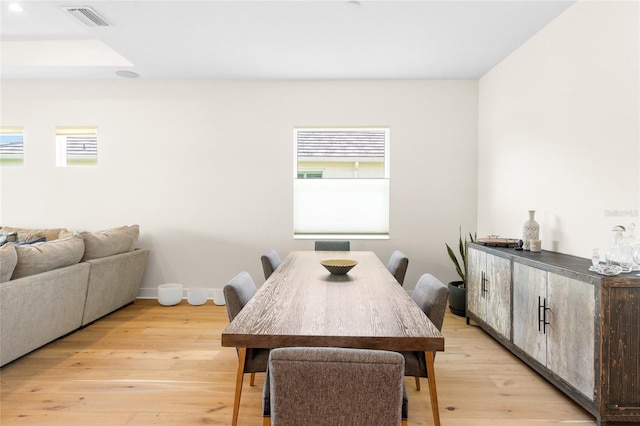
[(384, 182), (7, 131), (62, 147)]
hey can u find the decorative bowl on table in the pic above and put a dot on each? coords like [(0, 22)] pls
[(608, 270), (338, 266)]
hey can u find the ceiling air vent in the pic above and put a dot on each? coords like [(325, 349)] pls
[(87, 16)]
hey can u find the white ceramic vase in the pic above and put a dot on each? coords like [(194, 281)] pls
[(530, 230)]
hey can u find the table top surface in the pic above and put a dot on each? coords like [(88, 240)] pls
[(301, 304)]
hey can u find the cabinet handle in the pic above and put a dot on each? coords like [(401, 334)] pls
[(544, 316), (484, 283), (540, 320)]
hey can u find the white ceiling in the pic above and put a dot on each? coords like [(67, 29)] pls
[(234, 39)]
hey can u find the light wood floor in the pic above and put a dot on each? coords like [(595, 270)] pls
[(153, 365)]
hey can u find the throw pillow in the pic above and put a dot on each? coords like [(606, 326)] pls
[(109, 242), (8, 237), (41, 257), (8, 260), (36, 240), (30, 234)]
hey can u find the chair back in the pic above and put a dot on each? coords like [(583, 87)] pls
[(238, 292), (325, 245), (398, 263), (431, 296), (313, 386), (270, 262)]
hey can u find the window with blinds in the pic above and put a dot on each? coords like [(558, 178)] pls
[(76, 146), (11, 146), (341, 182)]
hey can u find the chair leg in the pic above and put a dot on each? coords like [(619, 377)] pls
[(417, 383), (253, 379), (266, 421), (404, 422)]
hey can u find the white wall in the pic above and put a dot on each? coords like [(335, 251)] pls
[(205, 168), (559, 125)]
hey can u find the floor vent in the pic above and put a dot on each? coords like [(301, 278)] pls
[(87, 16)]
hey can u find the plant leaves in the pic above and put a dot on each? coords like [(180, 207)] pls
[(454, 259), (462, 248)]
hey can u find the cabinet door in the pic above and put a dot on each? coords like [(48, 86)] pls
[(498, 294), (621, 346), (529, 291), (570, 334), (476, 261)]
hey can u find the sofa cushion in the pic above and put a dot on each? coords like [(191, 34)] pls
[(41, 257), (109, 242), (32, 234), (8, 260)]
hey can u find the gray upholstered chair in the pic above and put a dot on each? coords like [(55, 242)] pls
[(326, 245), (270, 261), (237, 294), (431, 296), (398, 263), (322, 386)]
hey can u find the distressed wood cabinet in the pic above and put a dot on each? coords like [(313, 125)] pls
[(489, 290), (553, 321), (579, 330)]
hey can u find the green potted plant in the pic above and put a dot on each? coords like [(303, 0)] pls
[(457, 289)]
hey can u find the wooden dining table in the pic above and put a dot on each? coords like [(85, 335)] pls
[(302, 304)]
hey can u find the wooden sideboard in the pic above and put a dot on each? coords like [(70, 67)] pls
[(578, 329)]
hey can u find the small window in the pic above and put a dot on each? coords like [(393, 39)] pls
[(11, 146), (76, 146), (341, 182)]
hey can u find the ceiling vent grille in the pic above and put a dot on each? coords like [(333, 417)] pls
[(87, 16)]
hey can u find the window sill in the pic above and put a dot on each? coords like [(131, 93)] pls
[(341, 236)]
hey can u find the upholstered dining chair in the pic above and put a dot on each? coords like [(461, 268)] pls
[(431, 296), (317, 386), (237, 294), (326, 245), (270, 261), (398, 263)]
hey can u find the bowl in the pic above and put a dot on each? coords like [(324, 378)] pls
[(169, 294), (608, 270), (338, 266), (197, 296)]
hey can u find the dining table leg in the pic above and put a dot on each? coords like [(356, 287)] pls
[(242, 354), (432, 388)]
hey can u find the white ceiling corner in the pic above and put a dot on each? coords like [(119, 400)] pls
[(296, 39)]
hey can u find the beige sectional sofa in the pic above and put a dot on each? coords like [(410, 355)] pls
[(51, 288)]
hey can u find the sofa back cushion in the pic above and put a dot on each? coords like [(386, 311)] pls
[(41, 257), (32, 234), (109, 242), (8, 260)]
